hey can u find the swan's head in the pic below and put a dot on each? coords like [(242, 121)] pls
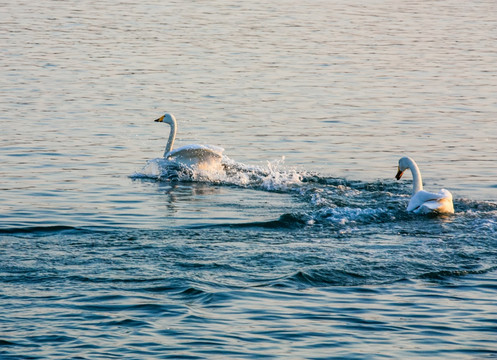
[(404, 164), (167, 118)]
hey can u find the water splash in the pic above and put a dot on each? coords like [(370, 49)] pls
[(339, 203), (271, 177)]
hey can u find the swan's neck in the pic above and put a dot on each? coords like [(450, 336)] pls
[(172, 136), (417, 181)]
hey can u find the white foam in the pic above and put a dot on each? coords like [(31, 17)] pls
[(345, 215), (151, 170), (271, 177)]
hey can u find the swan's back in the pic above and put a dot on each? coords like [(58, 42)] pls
[(199, 156), (424, 202)]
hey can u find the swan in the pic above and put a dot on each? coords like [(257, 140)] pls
[(424, 202), (203, 157)]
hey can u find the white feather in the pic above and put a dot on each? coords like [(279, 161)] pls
[(424, 202)]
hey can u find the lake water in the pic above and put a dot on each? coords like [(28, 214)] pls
[(302, 248)]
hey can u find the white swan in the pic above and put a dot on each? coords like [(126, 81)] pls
[(203, 157), (424, 202)]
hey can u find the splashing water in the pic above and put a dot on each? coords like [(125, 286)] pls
[(271, 177), (333, 202)]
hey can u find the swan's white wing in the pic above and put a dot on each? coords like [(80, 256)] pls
[(424, 202), (199, 156), (191, 150)]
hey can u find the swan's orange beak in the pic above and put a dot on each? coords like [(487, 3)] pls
[(160, 119), (399, 174)]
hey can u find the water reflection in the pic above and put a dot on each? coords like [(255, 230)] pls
[(186, 204), (174, 193)]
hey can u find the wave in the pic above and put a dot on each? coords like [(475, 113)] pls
[(322, 278), (447, 274), (285, 221), (468, 206), (327, 277), (37, 229), (315, 277), (326, 200), (270, 177), (44, 230)]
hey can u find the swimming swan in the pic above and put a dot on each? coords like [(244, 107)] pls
[(424, 202), (204, 157)]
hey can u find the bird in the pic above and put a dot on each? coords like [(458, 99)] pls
[(201, 157), (424, 202)]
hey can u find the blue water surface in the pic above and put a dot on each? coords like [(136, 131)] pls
[(301, 246)]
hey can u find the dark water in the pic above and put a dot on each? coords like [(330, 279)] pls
[(251, 293), (326, 280), (301, 248)]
